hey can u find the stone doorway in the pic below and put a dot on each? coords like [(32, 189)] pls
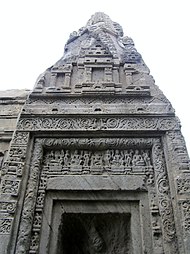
[(89, 222)]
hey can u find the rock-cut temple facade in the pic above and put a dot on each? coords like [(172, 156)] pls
[(93, 159)]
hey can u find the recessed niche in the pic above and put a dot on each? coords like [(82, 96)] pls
[(97, 74), (94, 233)]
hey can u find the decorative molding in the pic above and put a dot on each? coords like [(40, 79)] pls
[(98, 143), (100, 123), (119, 100)]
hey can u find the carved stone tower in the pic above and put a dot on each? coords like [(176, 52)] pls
[(97, 163)]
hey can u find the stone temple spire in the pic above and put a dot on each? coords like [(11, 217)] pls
[(100, 27), (95, 53)]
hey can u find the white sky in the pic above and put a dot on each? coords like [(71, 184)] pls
[(34, 32)]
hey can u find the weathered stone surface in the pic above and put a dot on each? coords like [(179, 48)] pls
[(97, 162)]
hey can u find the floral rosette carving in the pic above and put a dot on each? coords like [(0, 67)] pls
[(64, 124), (47, 124), (150, 123), (112, 123)]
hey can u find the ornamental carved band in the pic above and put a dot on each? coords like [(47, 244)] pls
[(84, 123)]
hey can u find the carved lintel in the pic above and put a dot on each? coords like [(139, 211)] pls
[(67, 68)]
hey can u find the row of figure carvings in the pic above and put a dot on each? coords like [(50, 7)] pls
[(92, 158)]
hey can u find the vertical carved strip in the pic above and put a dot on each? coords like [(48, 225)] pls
[(178, 161), (12, 170), (155, 215), (108, 74), (53, 79), (185, 210), (88, 74), (37, 222), (178, 151), (11, 174), (29, 202), (67, 79), (164, 198)]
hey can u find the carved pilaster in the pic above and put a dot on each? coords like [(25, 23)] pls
[(179, 169), (12, 171), (88, 74), (108, 74), (129, 70), (67, 79), (164, 199), (23, 239)]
